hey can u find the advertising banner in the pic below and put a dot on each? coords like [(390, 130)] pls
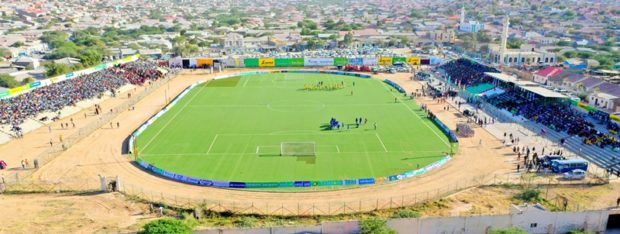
[(318, 62), (297, 62), (4, 94), (283, 62), (100, 67), (385, 61), (413, 60), (341, 61), (266, 62), (399, 60), (425, 61), (18, 89), (356, 61), (202, 62), (435, 60), (370, 61), (35, 84), (613, 117), (250, 62)]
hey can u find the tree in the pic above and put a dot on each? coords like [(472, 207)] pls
[(348, 39), (8, 81), (54, 69), (5, 53), (375, 226), (90, 57), (27, 80), (18, 44), (166, 225)]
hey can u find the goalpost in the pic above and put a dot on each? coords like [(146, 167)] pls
[(298, 148)]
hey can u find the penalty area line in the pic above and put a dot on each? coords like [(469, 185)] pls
[(212, 143), (376, 134)]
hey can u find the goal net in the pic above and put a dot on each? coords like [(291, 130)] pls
[(297, 149)]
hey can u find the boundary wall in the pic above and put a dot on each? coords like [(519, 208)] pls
[(299, 62), (279, 184)]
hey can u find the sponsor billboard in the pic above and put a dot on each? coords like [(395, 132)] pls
[(283, 62), (318, 62), (356, 61), (202, 62), (413, 60), (425, 61), (250, 62), (297, 62), (339, 61), (399, 60), (266, 62), (370, 61), (385, 60)]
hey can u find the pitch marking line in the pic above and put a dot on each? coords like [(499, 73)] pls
[(322, 152), (246, 82), (376, 134), (409, 108), (171, 119), (213, 142), (337, 148)]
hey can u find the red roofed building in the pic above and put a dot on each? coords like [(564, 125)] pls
[(542, 76)]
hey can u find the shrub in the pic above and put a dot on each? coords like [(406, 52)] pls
[(529, 195), (406, 213), (510, 230), (246, 222), (166, 225), (375, 226)]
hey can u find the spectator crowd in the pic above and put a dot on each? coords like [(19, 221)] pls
[(54, 97), (466, 72), (557, 115)]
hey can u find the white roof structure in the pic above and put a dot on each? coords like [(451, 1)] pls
[(502, 77), (543, 92), (526, 85)]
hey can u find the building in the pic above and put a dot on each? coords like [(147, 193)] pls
[(542, 76), (526, 55), (471, 26), (27, 62), (233, 41), (444, 35)]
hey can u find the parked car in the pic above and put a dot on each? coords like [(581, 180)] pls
[(576, 174)]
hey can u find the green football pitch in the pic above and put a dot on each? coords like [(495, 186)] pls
[(233, 129)]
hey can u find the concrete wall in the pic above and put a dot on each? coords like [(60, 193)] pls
[(534, 222)]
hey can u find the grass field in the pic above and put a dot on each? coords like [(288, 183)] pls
[(231, 129)]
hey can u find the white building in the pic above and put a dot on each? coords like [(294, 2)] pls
[(471, 26), (526, 55)]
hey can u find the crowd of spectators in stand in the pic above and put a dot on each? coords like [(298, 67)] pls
[(559, 116), (467, 72), (55, 97)]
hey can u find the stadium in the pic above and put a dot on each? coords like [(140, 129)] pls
[(297, 137)]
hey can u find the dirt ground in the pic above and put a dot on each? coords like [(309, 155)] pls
[(113, 212), (70, 213)]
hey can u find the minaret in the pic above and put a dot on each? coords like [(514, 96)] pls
[(502, 46), (463, 14)]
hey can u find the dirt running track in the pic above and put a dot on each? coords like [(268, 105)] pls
[(101, 154)]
